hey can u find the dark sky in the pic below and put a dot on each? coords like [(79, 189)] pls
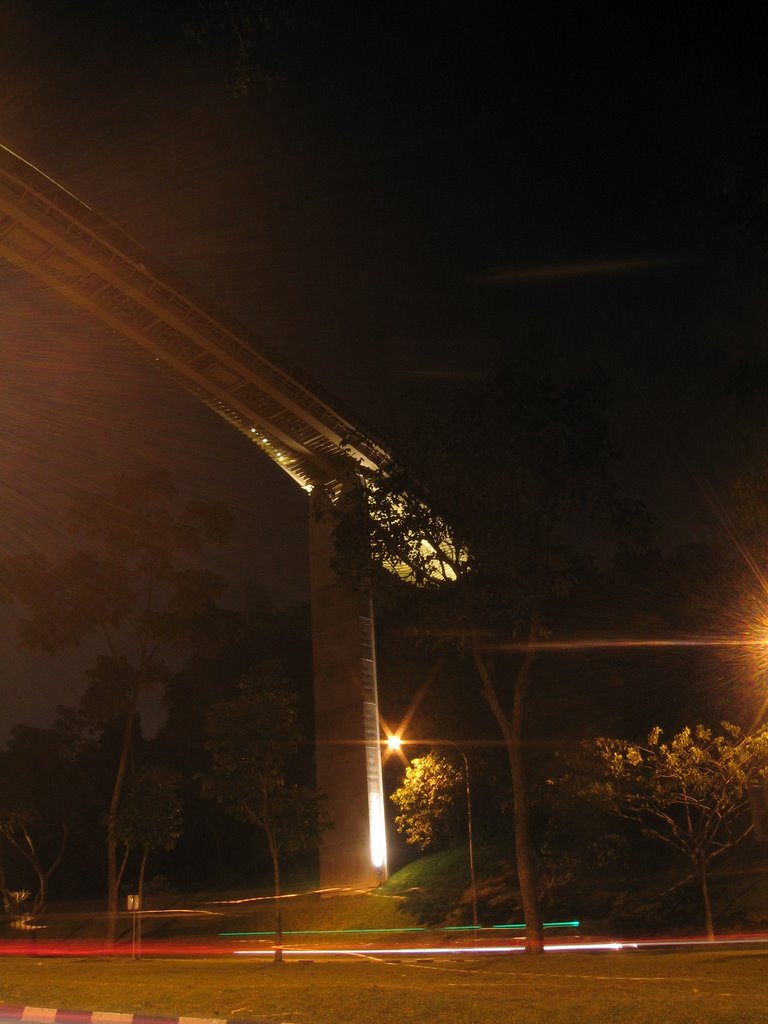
[(430, 191)]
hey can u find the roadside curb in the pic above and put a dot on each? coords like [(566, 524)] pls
[(44, 1015)]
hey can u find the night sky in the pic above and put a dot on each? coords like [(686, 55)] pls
[(428, 192)]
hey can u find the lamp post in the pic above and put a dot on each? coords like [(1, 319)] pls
[(395, 743), (469, 835)]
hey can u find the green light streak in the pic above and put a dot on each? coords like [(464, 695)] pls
[(547, 924), (393, 931)]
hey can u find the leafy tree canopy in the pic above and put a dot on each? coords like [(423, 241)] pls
[(690, 793), (426, 800)]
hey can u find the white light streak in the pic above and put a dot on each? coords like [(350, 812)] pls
[(394, 951)]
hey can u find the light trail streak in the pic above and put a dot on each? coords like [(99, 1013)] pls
[(603, 643), (39, 947), (587, 268), (430, 951), (575, 946), (423, 929), (283, 896)]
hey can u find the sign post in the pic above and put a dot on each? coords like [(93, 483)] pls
[(134, 905)]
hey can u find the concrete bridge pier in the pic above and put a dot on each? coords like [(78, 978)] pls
[(348, 751)]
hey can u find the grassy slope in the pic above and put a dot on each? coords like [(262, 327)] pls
[(434, 889), (642, 988)]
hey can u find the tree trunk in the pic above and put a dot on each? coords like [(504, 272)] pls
[(512, 732), (54, 865), (526, 867), (123, 865), (275, 855), (114, 807), (704, 883), (142, 868), (27, 850)]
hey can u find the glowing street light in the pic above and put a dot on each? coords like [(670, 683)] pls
[(395, 742)]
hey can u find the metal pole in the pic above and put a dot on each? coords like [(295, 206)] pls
[(469, 836), (394, 743)]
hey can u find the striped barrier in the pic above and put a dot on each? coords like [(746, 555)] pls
[(44, 1015)]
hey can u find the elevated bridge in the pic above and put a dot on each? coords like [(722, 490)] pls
[(48, 232)]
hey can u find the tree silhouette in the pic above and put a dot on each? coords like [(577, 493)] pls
[(251, 738), (133, 590), (514, 480)]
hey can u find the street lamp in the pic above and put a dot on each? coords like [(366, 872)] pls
[(395, 742)]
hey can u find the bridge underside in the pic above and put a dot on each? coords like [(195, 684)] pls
[(50, 234)]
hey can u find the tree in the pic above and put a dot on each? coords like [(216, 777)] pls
[(245, 25), (426, 800), (16, 827), (132, 587), (150, 817), (250, 739), (486, 513), (37, 797), (257, 632), (690, 793)]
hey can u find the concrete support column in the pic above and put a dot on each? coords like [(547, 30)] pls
[(348, 753)]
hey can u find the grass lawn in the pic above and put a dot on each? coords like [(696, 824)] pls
[(658, 988)]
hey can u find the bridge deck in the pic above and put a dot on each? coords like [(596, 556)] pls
[(50, 233)]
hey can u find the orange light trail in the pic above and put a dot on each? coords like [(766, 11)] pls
[(601, 643)]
